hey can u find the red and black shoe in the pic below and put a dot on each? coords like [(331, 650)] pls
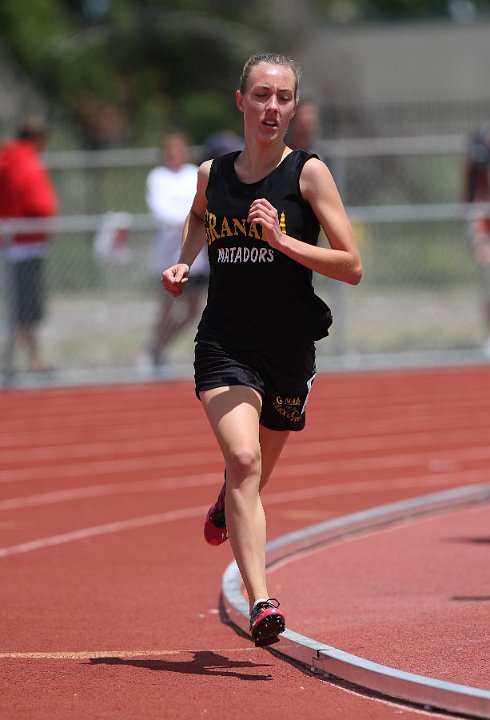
[(266, 622), (215, 531)]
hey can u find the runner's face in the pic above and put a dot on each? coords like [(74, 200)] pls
[(268, 102)]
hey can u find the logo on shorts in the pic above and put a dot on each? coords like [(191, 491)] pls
[(289, 407)]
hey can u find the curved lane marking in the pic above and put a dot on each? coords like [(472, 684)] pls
[(138, 464), (329, 661), (184, 513), (176, 483)]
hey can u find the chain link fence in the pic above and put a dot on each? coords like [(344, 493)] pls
[(418, 302)]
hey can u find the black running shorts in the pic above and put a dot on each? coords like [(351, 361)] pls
[(283, 379)]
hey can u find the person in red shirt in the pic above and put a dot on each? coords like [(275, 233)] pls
[(26, 191)]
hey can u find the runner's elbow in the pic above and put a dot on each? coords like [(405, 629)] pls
[(358, 275), (355, 274)]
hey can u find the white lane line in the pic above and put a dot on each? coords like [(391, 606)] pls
[(108, 489), (360, 487), (109, 466), (107, 528), (149, 654), (103, 448), (437, 477), (269, 499), (387, 435), (362, 463), (40, 436), (88, 654)]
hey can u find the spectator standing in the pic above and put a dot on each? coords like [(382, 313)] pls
[(220, 143), (170, 190), (26, 191), (304, 128), (477, 190)]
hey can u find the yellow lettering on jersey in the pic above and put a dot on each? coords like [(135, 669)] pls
[(253, 232), (225, 229), (239, 226), (282, 223), (211, 233), (234, 226)]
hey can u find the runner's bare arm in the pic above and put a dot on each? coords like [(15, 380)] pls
[(193, 238), (341, 261)]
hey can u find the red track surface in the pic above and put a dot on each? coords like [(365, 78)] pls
[(109, 595)]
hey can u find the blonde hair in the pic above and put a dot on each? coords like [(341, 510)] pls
[(271, 59)]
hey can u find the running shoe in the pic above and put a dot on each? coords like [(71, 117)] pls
[(266, 622), (215, 531)]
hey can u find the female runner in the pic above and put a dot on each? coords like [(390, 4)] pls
[(260, 211)]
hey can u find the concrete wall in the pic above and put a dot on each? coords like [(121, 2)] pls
[(392, 63)]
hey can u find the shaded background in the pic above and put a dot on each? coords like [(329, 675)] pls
[(401, 87)]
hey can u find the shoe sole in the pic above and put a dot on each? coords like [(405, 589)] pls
[(264, 642), (267, 630)]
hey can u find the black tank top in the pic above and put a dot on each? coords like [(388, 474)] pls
[(258, 297)]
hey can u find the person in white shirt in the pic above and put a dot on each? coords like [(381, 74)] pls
[(170, 190)]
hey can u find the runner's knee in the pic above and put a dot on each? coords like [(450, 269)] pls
[(241, 464)]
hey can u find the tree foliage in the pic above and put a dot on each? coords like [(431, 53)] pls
[(127, 69)]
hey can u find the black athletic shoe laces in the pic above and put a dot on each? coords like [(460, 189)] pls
[(271, 603)]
